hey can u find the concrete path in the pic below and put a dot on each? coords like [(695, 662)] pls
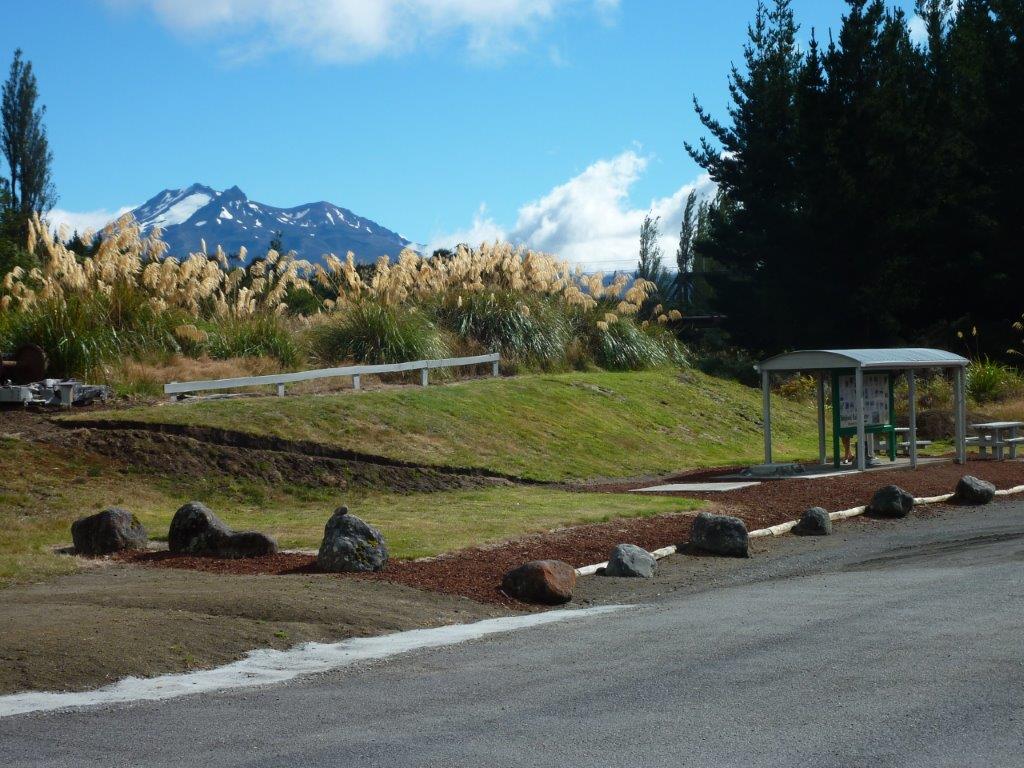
[(901, 645)]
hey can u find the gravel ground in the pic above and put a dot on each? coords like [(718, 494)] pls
[(476, 573)]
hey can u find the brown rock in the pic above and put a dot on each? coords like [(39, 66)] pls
[(549, 582)]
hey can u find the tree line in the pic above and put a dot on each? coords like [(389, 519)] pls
[(869, 183)]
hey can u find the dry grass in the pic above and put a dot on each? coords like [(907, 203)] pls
[(205, 285), (131, 300), (147, 377), (200, 284)]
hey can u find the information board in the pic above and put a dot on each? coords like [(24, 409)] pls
[(876, 400)]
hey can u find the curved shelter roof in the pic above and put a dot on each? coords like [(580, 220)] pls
[(887, 359)]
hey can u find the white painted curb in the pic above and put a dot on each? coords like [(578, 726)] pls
[(266, 666), (781, 528)]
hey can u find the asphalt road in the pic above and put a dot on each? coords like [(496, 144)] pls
[(892, 645)]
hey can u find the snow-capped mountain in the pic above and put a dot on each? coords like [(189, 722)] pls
[(231, 220)]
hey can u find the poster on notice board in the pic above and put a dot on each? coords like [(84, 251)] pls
[(876, 400)]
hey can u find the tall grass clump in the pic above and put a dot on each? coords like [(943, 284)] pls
[(85, 334), (371, 331), (262, 335), (622, 345), (131, 301), (530, 332), (989, 381)]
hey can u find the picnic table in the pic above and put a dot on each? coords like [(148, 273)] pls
[(997, 435), (903, 441)]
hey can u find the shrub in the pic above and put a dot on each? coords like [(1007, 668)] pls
[(83, 334), (622, 345), (372, 332), (799, 388), (528, 332), (988, 381), (261, 335), (730, 364)]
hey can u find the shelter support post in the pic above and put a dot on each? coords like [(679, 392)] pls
[(766, 403), (912, 398), (858, 393), (821, 418), (960, 415)]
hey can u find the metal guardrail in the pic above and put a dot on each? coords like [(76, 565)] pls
[(355, 371)]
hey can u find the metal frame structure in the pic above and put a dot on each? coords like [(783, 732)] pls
[(909, 360), (355, 371)]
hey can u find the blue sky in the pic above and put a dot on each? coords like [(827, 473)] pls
[(555, 122)]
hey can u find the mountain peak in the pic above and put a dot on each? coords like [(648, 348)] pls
[(228, 218)]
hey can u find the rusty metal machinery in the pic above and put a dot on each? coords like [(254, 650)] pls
[(27, 364)]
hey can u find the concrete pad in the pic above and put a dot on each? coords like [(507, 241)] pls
[(701, 487)]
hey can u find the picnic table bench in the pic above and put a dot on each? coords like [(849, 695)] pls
[(903, 445), (991, 437)]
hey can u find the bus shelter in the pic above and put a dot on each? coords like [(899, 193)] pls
[(861, 382)]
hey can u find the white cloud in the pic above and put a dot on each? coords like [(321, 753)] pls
[(589, 219), (356, 30), (483, 229), (918, 29), (82, 221)]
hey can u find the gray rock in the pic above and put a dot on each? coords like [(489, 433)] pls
[(631, 560), (891, 501), (814, 522), (108, 531), (549, 582), (351, 544), (971, 490), (196, 530), (720, 535)]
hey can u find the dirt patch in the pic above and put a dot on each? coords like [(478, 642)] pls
[(476, 573), (99, 626), (230, 438), (775, 501), (175, 456)]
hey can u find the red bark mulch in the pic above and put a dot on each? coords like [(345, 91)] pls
[(476, 573)]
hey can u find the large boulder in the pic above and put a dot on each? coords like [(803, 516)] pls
[(631, 560), (971, 490), (814, 522), (108, 531), (720, 535), (549, 582), (350, 544), (891, 501), (196, 530)]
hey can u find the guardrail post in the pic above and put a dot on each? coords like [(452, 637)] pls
[(494, 368), (280, 390), (355, 381), (424, 376)]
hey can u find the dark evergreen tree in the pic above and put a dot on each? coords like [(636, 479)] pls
[(685, 251), (24, 143), (869, 188), (650, 265), (752, 237)]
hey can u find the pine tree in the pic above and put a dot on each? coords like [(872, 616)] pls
[(751, 233)]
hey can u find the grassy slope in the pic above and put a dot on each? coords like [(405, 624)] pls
[(46, 488), (545, 427)]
